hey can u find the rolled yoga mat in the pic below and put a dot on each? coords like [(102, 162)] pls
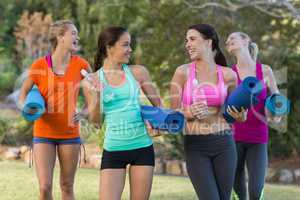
[(278, 104), (163, 119), (34, 100), (245, 95)]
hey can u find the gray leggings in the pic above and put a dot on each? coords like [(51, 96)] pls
[(255, 157), (211, 162)]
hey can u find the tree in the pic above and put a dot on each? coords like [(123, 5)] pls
[(31, 35)]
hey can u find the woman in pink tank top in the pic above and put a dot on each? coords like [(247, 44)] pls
[(251, 136), (199, 89)]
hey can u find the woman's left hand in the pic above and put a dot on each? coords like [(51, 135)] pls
[(239, 116), (272, 118)]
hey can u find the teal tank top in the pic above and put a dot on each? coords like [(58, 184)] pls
[(125, 128)]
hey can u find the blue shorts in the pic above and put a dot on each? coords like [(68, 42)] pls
[(55, 142)]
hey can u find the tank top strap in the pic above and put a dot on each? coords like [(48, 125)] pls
[(192, 71), (130, 77), (220, 75), (49, 60), (127, 72), (101, 76), (259, 73), (234, 68), (191, 76), (190, 81), (102, 80)]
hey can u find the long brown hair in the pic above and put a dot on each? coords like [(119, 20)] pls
[(107, 37), (208, 32)]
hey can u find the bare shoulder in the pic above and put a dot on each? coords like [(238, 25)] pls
[(181, 74), (139, 72), (266, 69), (228, 74), (138, 69), (182, 71)]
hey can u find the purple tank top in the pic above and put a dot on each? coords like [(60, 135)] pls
[(255, 128)]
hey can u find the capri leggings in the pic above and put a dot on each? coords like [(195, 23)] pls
[(211, 163), (255, 157)]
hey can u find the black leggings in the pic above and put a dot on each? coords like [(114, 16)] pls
[(211, 162), (255, 157)]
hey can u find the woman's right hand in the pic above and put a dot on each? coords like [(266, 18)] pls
[(32, 111), (151, 131), (199, 110)]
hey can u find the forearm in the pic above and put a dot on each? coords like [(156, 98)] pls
[(26, 87), (272, 118), (187, 114), (95, 113), (155, 101), (152, 94)]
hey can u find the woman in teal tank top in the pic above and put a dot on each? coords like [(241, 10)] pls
[(127, 139)]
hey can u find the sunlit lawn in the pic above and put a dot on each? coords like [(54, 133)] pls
[(18, 182)]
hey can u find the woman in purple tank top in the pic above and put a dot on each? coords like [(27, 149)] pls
[(251, 136)]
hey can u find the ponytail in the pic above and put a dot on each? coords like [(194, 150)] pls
[(253, 49), (220, 58), (106, 38), (97, 61)]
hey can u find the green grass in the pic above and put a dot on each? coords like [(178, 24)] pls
[(18, 182)]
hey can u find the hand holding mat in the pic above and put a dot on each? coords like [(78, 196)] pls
[(33, 101), (278, 105), (245, 95), (163, 119)]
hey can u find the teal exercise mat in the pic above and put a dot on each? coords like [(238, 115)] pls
[(245, 95), (163, 119), (278, 104), (34, 100)]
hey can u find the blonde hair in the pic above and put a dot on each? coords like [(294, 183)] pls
[(252, 46), (58, 28)]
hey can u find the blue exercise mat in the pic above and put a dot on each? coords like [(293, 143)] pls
[(278, 104), (34, 100), (163, 119), (245, 95)]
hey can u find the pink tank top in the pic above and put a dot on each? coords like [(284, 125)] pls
[(254, 129), (213, 95)]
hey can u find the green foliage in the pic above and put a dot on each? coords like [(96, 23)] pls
[(7, 82), (169, 147), (3, 129), (15, 131), (90, 134), (7, 75)]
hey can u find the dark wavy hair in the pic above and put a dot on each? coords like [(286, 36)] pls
[(107, 37), (208, 32)]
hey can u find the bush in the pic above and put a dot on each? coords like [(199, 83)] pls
[(3, 129), (90, 134), (7, 74), (15, 131), (7, 81)]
